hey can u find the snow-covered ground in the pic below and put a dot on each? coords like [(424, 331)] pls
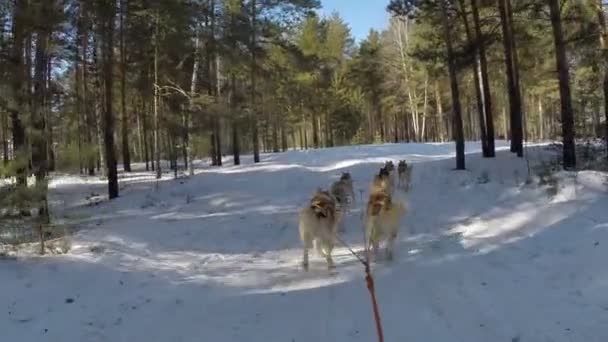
[(483, 256)]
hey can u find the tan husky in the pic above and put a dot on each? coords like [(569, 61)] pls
[(318, 225), (381, 182), (382, 223)]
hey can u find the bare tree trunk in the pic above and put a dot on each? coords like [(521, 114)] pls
[(126, 155), (439, 112), (188, 158), (89, 120), (4, 130), (315, 133), (144, 124), (458, 134), (156, 100), (485, 82), (38, 140), (218, 120), (50, 145), (604, 46), (512, 77), (477, 82), (541, 120), (110, 149), (564, 86), (254, 121), (424, 109), (140, 145), (98, 105), (18, 85), (236, 148)]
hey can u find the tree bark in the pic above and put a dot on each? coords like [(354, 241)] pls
[(50, 145), (477, 82), (458, 128), (485, 82), (156, 99), (110, 149), (604, 46), (126, 154), (38, 140), (236, 150), (4, 129), (541, 120), (512, 78), (218, 119), (564, 87), (98, 100), (439, 110), (254, 122), (186, 120), (89, 123), (18, 85)]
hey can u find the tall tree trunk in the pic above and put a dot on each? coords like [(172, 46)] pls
[(512, 77), (126, 155), (458, 133), (38, 140), (4, 130), (144, 126), (218, 119), (485, 82), (541, 120), (236, 150), (18, 87), (477, 82), (439, 111), (193, 83), (315, 132), (83, 27), (564, 86), (235, 143), (50, 149), (110, 149), (604, 46), (140, 141), (156, 99), (254, 121), (284, 143), (275, 136)]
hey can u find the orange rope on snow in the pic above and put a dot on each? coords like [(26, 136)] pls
[(372, 292), (370, 287)]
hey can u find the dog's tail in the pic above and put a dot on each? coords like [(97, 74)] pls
[(319, 248)]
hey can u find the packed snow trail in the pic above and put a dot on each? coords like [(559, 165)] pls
[(482, 256)]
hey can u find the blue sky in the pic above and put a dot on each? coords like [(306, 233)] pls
[(361, 15)]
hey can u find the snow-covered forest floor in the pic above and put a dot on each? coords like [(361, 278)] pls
[(487, 254)]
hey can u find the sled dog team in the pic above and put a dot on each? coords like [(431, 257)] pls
[(321, 219)]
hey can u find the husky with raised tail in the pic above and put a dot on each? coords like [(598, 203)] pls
[(383, 218), (318, 225), (381, 182), (343, 192)]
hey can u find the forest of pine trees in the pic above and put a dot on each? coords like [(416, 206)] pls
[(89, 86)]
